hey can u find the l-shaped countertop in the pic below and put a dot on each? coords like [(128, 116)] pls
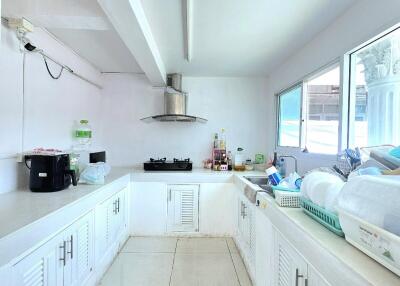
[(21, 210)]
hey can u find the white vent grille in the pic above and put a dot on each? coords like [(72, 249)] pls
[(183, 208), (35, 275), (83, 247), (187, 207), (283, 267)]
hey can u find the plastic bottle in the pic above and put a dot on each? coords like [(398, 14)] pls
[(239, 160), (216, 141), (222, 141), (282, 167), (83, 134)]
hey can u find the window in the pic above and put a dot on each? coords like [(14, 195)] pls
[(315, 102), (322, 111), (289, 117), (374, 101)]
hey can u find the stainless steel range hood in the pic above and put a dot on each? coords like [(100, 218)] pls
[(175, 103)]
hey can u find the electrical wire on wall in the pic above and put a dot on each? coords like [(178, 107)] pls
[(50, 73), (27, 46)]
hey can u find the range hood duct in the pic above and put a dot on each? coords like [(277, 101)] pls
[(175, 103)]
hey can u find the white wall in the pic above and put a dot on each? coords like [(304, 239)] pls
[(44, 115), (366, 19), (236, 104)]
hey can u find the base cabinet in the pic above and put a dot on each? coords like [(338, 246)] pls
[(79, 254), (183, 208), (110, 226), (246, 233), (290, 268), (66, 259)]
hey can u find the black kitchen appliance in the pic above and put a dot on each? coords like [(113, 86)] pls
[(164, 165), (49, 173)]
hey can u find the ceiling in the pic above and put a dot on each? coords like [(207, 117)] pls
[(236, 37), (229, 37), (80, 24)]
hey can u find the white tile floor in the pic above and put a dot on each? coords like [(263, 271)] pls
[(148, 261)]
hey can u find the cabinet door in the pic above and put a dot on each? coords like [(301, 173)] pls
[(148, 208), (183, 208), (315, 278), (120, 213), (103, 229), (289, 267), (264, 249), (82, 248), (43, 267)]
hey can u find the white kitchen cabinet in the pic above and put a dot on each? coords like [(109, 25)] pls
[(315, 278), (109, 227), (264, 249), (217, 202), (66, 259), (289, 267), (246, 232), (183, 208), (148, 208), (44, 266)]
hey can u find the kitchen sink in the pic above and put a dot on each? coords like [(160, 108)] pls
[(262, 182)]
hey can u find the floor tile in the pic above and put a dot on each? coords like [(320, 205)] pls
[(204, 269), (202, 245), (232, 245), (241, 271), (150, 244), (139, 269)]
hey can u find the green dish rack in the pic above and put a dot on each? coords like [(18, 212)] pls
[(327, 219)]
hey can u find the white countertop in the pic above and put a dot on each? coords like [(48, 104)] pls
[(23, 207), (312, 239)]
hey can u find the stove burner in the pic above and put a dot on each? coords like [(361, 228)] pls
[(161, 164), (181, 160), (162, 160)]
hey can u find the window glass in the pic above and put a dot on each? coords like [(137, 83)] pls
[(375, 93), (322, 111), (289, 117)]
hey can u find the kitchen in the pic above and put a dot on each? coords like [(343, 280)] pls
[(251, 69)]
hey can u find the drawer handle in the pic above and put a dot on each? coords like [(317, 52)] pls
[(298, 275), (71, 252), (64, 248)]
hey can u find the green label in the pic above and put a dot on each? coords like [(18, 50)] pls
[(83, 134)]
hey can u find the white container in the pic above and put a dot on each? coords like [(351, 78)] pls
[(83, 135), (379, 244), (287, 199)]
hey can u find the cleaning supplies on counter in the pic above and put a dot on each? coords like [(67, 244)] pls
[(273, 176)]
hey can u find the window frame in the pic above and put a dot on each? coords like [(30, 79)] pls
[(302, 82), (278, 105), (350, 68)]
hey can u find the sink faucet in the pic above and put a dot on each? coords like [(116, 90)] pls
[(294, 158)]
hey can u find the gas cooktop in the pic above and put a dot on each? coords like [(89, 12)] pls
[(162, 164)]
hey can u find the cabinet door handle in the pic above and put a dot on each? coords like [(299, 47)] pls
[(64, 248), (118, 205), (306, 282), (115, 207), (169, 195), (244, 210), (298, 275), (71, 252), (241, 209)]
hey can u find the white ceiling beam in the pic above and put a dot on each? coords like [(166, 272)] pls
[(129, 20), (187, 16)]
